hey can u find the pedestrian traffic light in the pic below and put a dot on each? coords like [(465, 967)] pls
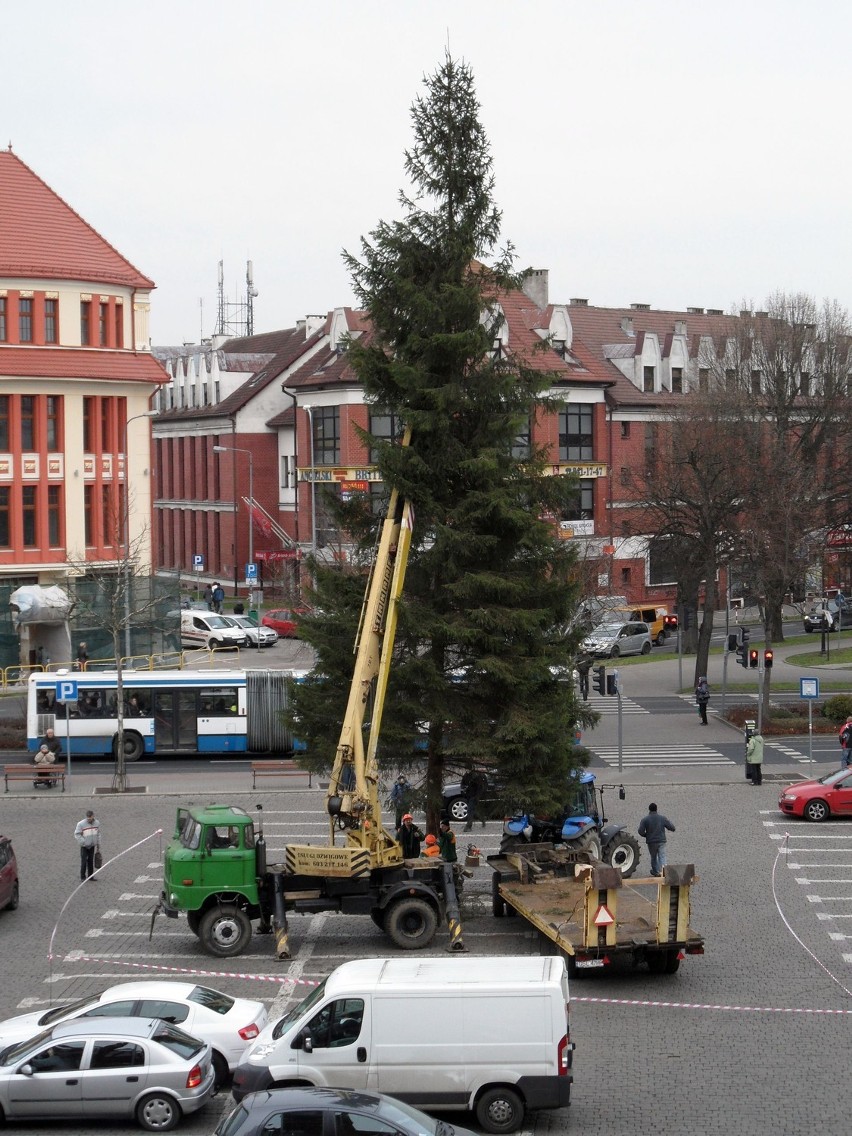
[(742, 649), (768, 659), (733, 642), (753, 657), (599, 681), (611, 684)]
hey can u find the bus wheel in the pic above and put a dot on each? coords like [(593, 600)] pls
[(134, 747)]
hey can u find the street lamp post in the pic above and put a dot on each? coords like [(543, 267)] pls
[(241, 450), (134, 418), (310, 412)]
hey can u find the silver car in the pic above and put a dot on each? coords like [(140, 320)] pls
[(256, 636), (614, 639), (133, 1068)]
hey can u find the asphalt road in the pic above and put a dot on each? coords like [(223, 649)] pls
[(752, 1037)]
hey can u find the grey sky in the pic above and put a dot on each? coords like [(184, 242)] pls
[(668, 152)]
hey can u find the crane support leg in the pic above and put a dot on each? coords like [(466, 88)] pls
[(282, 938), (452, 907)]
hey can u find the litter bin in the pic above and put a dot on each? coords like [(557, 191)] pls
[(253, 614)]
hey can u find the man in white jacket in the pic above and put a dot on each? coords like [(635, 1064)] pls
[(88, 836)]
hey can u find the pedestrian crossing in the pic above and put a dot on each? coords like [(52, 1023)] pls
[(608, 707), (788, 752), (663, 756)]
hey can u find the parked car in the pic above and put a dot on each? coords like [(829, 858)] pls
[(489, 805), (839, 615), (611, 640), (226, 1024), (256, 636), (660, 623), (334, 1111), (285, 621), (9, 886), (211, 631), (819, 799), (134, 1068)]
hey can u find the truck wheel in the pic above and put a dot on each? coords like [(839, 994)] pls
[(225, 931), (500, 1110), (623, 853), (589, 842), (672, 963), (411, 923)]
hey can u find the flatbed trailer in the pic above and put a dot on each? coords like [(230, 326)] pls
[(594, 915)]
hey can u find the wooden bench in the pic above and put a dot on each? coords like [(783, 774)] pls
[(34, 773), (278, 769)]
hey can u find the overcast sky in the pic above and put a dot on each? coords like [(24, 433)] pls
[(667, 152)]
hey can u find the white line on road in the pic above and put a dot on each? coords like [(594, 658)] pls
[(830, 898), (803, 880)]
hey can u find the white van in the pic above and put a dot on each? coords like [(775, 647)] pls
[(486, 1034), (207, 629)]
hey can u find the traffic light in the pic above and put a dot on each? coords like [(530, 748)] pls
[(611, 684), (599, 681), (733, 642), (753, 657), (742, 650), (768, 657)]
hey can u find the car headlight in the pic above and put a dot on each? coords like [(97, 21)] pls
[(788, 796), (261, 1051)]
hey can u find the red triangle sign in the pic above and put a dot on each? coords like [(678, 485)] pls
[(603, 916)]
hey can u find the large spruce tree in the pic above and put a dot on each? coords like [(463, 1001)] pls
[(482, 665)]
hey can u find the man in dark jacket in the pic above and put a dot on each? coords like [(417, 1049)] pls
[(409, 836), (447, 842), (653, 828)]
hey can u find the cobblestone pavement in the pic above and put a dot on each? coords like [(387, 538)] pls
[(746, 1038)]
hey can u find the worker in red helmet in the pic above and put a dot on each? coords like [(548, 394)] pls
[(431, 848), (409, 836)]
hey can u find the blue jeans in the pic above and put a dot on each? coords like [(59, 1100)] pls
[(657, 852)]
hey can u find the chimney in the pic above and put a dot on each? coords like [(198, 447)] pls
[(536, 287), (715, 312), (641, 307), (627, 324), (579, 303), (680, 327), (695, 311), (745, 314)]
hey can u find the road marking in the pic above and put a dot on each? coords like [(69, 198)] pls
[(830, 898), (805, 880), (664, 755)]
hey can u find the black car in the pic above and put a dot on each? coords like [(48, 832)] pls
[(838, 615), (330, 1112), (489, 805)]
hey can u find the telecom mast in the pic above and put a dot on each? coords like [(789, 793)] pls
[(235, 318)]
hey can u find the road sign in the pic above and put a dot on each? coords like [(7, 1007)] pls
[(603, 916), (251, 572), (198, 562), (66, 690), (809, 688)]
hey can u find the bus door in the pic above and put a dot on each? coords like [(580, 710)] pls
[(175, 720)]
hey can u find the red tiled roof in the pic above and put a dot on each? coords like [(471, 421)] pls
[(42, 236), (74, 363)]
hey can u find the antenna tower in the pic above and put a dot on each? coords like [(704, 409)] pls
[(235, 318)]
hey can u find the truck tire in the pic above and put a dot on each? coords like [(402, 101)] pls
[(588, 842), (500, 1110), (623, 853), (411, 923), (225, 931)]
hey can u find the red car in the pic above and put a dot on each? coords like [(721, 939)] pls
[(817, 800), (285, 620), (8, 875)]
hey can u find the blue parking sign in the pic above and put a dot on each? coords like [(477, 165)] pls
[(251, 572), (198, 562), (66, 690)]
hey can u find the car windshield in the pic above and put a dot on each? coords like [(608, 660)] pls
[(299, 1009), (244, 621), (211, 999), (606, 629), (833, 778), (177, 1041), (13, 1053), (59, 1012), (218, 621)]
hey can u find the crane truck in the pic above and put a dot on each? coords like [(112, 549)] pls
[(216, 868)]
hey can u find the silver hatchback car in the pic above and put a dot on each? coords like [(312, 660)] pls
[(617, 638), (135, 1068)]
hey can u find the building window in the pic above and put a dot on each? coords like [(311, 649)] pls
[(88, 526), (107, 518), (4, 334), (703, 379), (53, 424), (50, 308), (326, 439), (103, 324), (648, 380), (4, 423), (88, 413), (521, 446), (5, 530), (582, 508), (54, 516), (28, 515), (625, 576), (25, 320), (106, 433), (624, 477), (287, 472), (85, 322), (28, 424), (379, 497), (755, 382), (384, 426), (625, 429), (119, 325), (677, 380), (575, 433)]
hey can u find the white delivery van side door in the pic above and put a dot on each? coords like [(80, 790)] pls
[(335, 1045)]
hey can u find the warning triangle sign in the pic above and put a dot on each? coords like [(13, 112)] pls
[(603, 916)]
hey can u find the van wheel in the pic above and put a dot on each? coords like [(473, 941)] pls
[(225, 931), (500, 1110), (214, 644), (411, 923)]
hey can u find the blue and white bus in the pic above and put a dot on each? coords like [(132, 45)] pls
[(186, 711)]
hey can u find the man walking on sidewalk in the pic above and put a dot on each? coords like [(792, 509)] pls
[(88, 836), (653, 827)]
